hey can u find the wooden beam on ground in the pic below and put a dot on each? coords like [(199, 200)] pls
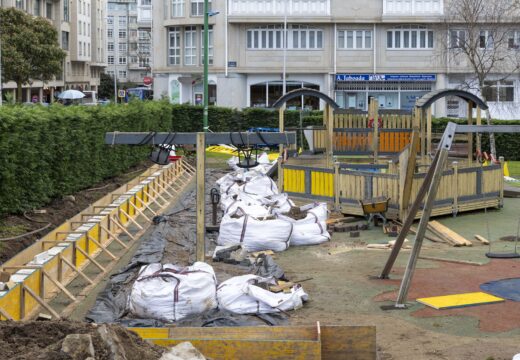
[(4, 314), (454, 261), (115, 220), (92, 260), (40, 301), (482, 239), (201, 202), (58, 285), (446, 233), (113, 236), (71, 265)]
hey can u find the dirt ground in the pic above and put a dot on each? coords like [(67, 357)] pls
[(43, 340), (56, 213), (342, 292)]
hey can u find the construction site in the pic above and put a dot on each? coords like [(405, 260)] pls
[(370, 236)]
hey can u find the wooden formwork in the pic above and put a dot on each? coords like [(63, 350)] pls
[(266, 342), (43, 270)]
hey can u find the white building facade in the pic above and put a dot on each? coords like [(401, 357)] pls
[(129, 40), (81, 33), (392, 50)]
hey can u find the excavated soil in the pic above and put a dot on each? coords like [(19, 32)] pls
[(43, 339)]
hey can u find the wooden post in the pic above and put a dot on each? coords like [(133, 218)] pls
[(410, 166), (429, 130), (470, 135), (455, 188), (336, 186), (374, 114), (479, 122), (280, 173), (201, 223), (281, 124), (502, 160), (421, 118), (328, 116), (421, 230)]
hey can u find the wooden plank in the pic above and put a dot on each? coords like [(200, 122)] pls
[(348, 342), (77, 270), (4, 314), (482, 239), (201, 167), (447, 234), (40, 301), (59, 285), (251, 349), (92, 260)]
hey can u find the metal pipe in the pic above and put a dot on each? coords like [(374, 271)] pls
[(206, 62)]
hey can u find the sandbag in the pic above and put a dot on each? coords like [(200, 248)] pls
[(170, 293), (257, 211), (260, 186), (254, 234), (316, 212), (279, 203), (241, 296)]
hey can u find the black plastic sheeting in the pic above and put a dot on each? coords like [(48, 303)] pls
[(111, 303)]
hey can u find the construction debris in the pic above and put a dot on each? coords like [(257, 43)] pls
[(482, 239), (184, 351), (447, 234)]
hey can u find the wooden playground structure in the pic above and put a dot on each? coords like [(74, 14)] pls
[(360, 156)]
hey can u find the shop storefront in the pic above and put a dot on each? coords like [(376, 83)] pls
[(393, 91)]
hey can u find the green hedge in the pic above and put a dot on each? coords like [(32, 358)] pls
[(50, 152)]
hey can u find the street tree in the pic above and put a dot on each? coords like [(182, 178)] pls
[(106, 86), (30, 49), (484, 35)]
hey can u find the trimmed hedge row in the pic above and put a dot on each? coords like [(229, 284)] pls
[(49, 152)]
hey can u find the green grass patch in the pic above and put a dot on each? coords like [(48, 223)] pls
[(12, 230), (514, 168)]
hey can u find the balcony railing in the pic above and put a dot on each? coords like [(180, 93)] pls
[(279, 7), (413, 7)]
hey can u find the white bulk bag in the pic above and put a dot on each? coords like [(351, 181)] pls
[(309, 233), (260, 186), (317, 212), (240, 296), (170, 293), (254, 234), (257, 211), (280, 203)]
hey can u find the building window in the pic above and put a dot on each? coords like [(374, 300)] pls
[(110, 60), (123, 47), (37, 7), (190, 45), (265, 37), (144, 35), (122, 21), (80, 48), (499, 91), (177, 8), (265, 95), (110, 46), (110, 33), (210, 47), (110, 73), (457, 39), (197, 7), (122, 74), (122, 34), (271, 37), (513, 41), (65, 40), (485, 40), (110, 20), (122, 60), (174, 46), (133, 46), (66, 10), (146, 2), (132, 19), (48, 10), (19, 4), (354, 39), (305, 37), (409, 37)]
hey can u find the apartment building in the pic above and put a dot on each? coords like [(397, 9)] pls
[(81, 32), (392, 50), (129, 40)]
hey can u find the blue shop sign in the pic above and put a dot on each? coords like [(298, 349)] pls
[(386, 77)]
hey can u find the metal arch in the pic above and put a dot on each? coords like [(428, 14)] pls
[(428, 99), (305, 92)]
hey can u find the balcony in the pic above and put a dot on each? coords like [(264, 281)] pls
[(144, 14), (413, 7), (278, 8)]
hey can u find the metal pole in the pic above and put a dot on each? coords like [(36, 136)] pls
[(201, 223), (206, 62), (1, 84), (285, 39)]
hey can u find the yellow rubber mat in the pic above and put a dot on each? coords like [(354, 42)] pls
[(459, 300)]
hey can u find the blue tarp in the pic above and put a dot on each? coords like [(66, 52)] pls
[(506, 288)]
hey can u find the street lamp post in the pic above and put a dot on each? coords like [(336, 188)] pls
[(206, 63)]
